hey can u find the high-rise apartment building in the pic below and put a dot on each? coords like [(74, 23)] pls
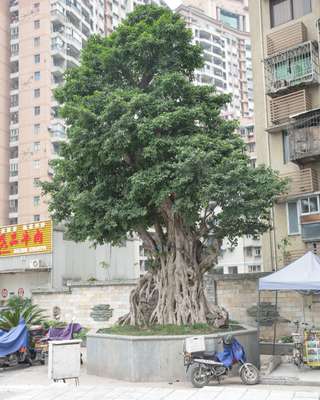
[(221, 29), (117, 10), (4, 108), (287, 101), (44, 38), (226, 52)]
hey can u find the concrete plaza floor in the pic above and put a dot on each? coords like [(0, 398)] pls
[(33, 384), (288, 373)]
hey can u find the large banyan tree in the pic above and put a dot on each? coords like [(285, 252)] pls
[(149, 153)]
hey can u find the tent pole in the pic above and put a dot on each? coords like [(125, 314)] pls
[(275, 326), (258, 313)]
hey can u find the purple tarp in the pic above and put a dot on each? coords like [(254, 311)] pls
[(64, 333)]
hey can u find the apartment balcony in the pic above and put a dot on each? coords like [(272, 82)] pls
[(290, 68), (288, 105), (76, 42), (58, 16), (73, 58), (286, 38), (58, 49), (57, 132), (304, 138), (302, 182), (58, 71)]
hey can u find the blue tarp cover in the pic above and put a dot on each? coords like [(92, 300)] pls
[(12, 341), (231, 353), (303, 274)]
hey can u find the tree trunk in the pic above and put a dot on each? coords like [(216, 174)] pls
[(173, 292)]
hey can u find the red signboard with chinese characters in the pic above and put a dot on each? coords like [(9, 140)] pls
[(34, 238)]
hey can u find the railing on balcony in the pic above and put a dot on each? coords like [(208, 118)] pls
[(304, 137), (302, 181), (298, 65), (284, 107)]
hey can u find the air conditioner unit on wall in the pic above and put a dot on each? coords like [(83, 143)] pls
[(36, 263)]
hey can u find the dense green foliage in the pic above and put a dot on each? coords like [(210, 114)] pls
[(195, 329), (141, 133), (17, 308)]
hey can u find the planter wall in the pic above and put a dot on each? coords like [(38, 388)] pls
[(151, 358)]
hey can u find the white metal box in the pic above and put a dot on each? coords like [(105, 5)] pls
[(194, 344), (64, 359)]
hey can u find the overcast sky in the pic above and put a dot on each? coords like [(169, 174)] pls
[(173, 3)]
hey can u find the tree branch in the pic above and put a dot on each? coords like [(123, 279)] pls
[(147, 239)]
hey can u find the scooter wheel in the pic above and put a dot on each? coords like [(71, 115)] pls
[(249, 374), (198, 378)]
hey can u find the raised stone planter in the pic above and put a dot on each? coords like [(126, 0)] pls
[(152, 358)]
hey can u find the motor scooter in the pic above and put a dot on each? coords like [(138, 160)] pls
[(211, 365)]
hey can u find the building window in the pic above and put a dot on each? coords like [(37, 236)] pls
[(36, 129), (36, 218), (249, 251), (36, 110), (230, 19), (14, 83), (36, 147), (37, 76), (13, 168), (36, 182), (36, 164), (36, 92), (36, 24), (253, 162), (14, 33), (14, 135), (14, 67), (36, 7), (258, 252), (251, 147), (14, 152), (14, 100), (13, 188), (13, 221), (254, 268), (37, 58), (14, 117), (310, 205), (232, 270), (13, 206), (14, 49), (282, 11), (293, 218), (36, 41), (36, 201)]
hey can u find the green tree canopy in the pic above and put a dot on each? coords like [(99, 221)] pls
[(149, 152)]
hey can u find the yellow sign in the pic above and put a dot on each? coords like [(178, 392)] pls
[(23, 239)]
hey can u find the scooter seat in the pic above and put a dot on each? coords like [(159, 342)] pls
[(209, 354)]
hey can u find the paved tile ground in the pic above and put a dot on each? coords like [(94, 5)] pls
[(33, 384), (126, 391)]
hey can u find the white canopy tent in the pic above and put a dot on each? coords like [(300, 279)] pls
[(301, 275)]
